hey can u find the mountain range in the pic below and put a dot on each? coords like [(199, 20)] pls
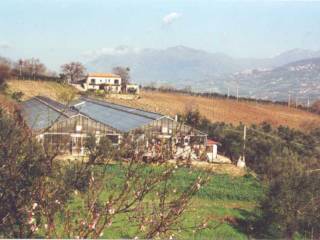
[(296, 71)]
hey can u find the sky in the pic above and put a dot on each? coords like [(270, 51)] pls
[(59, 31)]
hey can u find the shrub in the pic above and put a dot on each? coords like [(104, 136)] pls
[(17, 96)]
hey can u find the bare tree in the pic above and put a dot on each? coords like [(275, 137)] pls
[(124, 73), (38, 68), (20, 67), (5, 70), (73, 71), (31, 68), (316, 107)]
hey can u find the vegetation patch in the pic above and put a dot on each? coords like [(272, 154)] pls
[(222, 200), (29, 88)]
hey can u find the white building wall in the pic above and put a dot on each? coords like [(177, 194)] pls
[(133, 86), (95, 82), (215, 151)]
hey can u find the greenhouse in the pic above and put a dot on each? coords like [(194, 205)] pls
[(66, 128)]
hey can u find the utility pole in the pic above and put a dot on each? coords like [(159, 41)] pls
[(33, 68), (242, 160), (244, 142), (237, 92), (289, 100), (228, 92), (308, 103), (212, 105), (20, 68)]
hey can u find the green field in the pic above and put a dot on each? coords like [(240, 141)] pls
[(225, 200)]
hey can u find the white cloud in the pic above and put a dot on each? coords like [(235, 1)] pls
[(171, 17), (119, 50), (4, 45)]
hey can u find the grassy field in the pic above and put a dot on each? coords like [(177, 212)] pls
[(225, 200), (216, 109)]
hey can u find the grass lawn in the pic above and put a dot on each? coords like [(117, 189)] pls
[(224, 197)]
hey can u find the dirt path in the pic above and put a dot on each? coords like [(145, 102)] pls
[(221, 168)]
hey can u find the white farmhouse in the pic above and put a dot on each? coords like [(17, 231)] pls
[(105, 81)]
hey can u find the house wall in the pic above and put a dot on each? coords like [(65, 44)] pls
[(104, 80), (113, 84)]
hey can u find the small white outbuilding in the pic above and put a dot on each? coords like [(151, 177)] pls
[(212, 150)]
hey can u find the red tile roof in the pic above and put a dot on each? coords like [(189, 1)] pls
[(107, 75), (212, 142)]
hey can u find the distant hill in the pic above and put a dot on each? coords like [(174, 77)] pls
[(181, 66), (301, 79), (293, 56), (177, 66)]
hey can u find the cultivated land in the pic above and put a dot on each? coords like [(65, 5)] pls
[(223, 110)]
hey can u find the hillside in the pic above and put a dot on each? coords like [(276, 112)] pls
[(300, 78), (52, 90), (224, 110)]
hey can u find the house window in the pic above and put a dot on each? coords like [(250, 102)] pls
[(93, 81), (116, 82)]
